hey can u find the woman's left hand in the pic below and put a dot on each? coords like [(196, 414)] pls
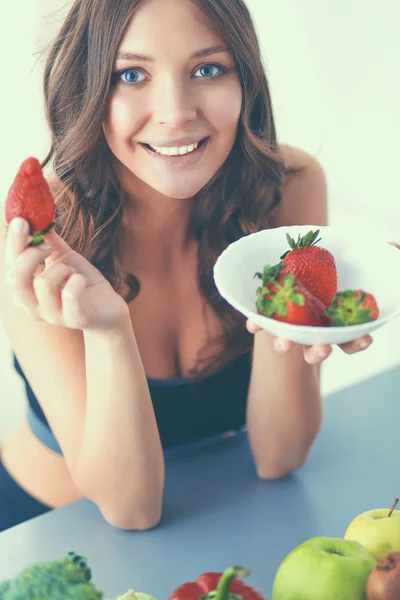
[(317, 353)]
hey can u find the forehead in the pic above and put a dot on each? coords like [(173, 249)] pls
[(157, 22)]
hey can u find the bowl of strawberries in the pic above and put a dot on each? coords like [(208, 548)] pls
[(312, 284)]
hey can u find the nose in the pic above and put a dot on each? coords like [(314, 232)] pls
[(174, 104)]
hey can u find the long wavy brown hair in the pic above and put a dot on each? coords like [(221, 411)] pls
[(239, 200)]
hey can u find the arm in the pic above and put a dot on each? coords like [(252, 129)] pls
[(121, 460), (94, 393), (284, 409)]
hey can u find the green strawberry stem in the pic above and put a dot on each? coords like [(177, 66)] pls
[(310, 239), (277, 301), (37, 236), (270, 273), (346, 309), (396, 500)]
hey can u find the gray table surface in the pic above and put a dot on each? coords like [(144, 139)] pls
[(217, 513)]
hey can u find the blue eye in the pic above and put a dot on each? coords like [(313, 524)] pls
[(130, 76), (134, 77), (211, 71)]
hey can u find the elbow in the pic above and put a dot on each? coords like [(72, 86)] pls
[(134, 520), (276, 461), (128, 507), (271, 471)]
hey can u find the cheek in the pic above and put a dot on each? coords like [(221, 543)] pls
[(122, 120), (224, 108)]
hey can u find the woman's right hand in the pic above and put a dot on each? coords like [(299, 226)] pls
[(53, 283)]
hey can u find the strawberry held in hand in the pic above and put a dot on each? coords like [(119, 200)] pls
[(283, 298), (30, 197), (352, 307), (314, 266)]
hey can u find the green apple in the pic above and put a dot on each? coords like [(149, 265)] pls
[(378, 530), (322, 567)]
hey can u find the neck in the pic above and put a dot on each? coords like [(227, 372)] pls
[(155, 228)]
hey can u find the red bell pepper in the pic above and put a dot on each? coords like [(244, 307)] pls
[(218, 586)]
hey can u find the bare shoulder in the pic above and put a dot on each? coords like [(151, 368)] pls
[(296, 158), (304, 195)]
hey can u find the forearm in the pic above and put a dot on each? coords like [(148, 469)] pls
[(121, 465), (284, 409)]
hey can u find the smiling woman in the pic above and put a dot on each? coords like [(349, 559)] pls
[(163, 152), (181, 109)]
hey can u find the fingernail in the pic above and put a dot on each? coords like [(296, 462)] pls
[(45, 247), (314, 359), (18, 225), (281, 346), (363, 344)]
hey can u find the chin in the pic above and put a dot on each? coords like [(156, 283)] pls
[(179, 191)]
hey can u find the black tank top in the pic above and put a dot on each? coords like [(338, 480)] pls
[(185, 410)]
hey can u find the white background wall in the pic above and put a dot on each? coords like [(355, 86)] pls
[(334, 74)]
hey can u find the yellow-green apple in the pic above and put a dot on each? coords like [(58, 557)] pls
[(384, 580), (323, 567), (378, 530)]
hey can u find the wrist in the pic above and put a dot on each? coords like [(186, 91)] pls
[(265, 350), (119, 327)]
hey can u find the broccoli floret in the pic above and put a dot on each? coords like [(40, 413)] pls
[(68, 578)]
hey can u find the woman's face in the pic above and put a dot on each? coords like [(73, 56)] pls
[(175, 89)]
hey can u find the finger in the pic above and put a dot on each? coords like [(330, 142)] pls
[(62, 251), (38, 271), (47, 288), (71, 301), (16, 240), (21, 273), (395, 244), (252, 327), (317, 353), (357, 345), (57, 243), (282, 346)]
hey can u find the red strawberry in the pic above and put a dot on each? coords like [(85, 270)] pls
[(314, 266), (352, 307), (30, 197), (284, 299)]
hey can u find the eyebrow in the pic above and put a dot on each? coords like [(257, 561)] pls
[(123, 55)]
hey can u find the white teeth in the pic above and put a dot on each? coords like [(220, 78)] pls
[(175, 151)]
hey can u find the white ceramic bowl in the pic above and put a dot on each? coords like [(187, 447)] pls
[(362, 262)]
